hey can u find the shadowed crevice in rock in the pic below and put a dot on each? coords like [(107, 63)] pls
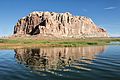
[(43, 23), (35, 31)]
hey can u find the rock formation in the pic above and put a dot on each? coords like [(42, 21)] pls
[(57, 25)]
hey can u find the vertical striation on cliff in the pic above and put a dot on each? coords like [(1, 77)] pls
[(58, 25)]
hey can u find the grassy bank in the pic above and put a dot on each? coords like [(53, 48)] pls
[(28, 42)]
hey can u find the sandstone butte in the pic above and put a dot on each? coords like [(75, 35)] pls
[(58, 25)]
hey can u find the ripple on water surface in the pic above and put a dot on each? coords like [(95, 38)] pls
[(67, 63)]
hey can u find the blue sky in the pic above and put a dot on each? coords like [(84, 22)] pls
[(105, 13)]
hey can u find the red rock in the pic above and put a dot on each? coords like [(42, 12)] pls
[(58, 25)]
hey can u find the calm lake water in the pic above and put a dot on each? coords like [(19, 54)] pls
[(67, 63)]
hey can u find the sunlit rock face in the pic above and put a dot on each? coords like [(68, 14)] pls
[(57, 25), (56, 58)]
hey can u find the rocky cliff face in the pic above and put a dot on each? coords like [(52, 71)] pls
[(57, 25)]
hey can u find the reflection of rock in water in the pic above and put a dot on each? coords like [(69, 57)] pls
[(55, 58)]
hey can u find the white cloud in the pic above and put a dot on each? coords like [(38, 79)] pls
[(110, 8)]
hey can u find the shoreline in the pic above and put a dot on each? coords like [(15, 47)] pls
[(70, 42)]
